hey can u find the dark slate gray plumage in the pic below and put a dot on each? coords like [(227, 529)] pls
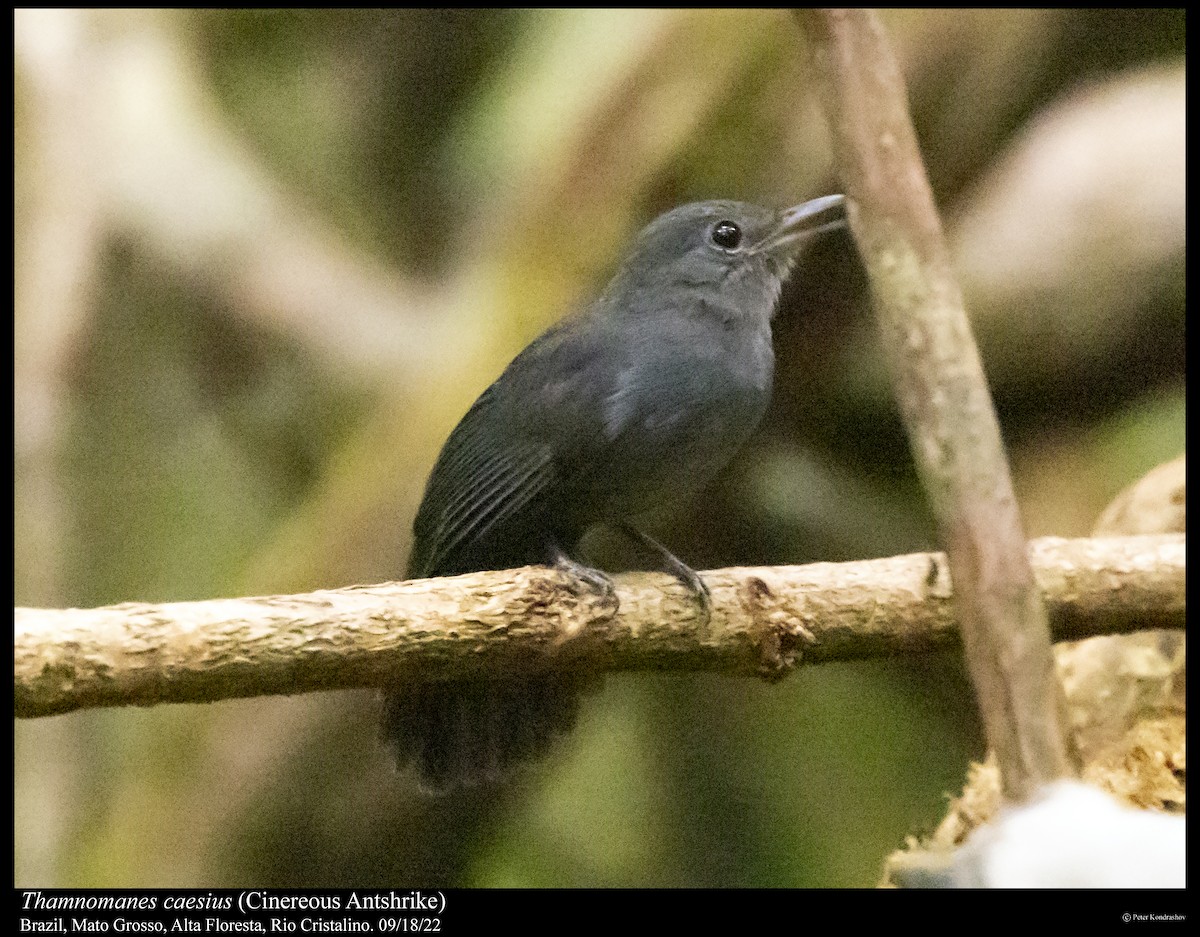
[(637, 398)]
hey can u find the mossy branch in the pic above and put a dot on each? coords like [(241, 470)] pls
[(765, 620)]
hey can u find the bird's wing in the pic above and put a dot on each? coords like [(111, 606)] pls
[(485, 474), (536, 427)]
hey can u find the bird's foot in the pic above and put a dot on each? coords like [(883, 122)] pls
[(596, 580), (679, 569)]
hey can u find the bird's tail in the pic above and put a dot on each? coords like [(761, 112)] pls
[(462, 733)]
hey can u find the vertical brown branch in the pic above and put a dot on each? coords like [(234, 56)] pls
[(943, 395)]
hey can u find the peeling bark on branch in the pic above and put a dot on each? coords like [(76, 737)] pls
[(765, 620)]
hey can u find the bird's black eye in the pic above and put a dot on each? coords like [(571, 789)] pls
[(727, 235)]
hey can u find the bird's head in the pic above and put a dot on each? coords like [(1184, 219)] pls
[(731, 254)]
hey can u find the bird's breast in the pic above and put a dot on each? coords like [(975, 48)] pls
[(675, 417)]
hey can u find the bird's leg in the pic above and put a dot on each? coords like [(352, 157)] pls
[(596, 579), (677, 568)]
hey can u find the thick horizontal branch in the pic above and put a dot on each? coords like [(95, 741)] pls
[(764, 621)]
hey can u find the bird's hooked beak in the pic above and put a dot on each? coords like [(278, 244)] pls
[(802, 221)]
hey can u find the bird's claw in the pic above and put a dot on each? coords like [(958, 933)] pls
[(680, 570), (596, 580)]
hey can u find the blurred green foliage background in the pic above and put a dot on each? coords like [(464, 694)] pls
[(265, 260)]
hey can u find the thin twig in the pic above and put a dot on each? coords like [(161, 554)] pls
[(943, 396)]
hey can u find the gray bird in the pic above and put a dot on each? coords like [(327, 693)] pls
[(632, 401)]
